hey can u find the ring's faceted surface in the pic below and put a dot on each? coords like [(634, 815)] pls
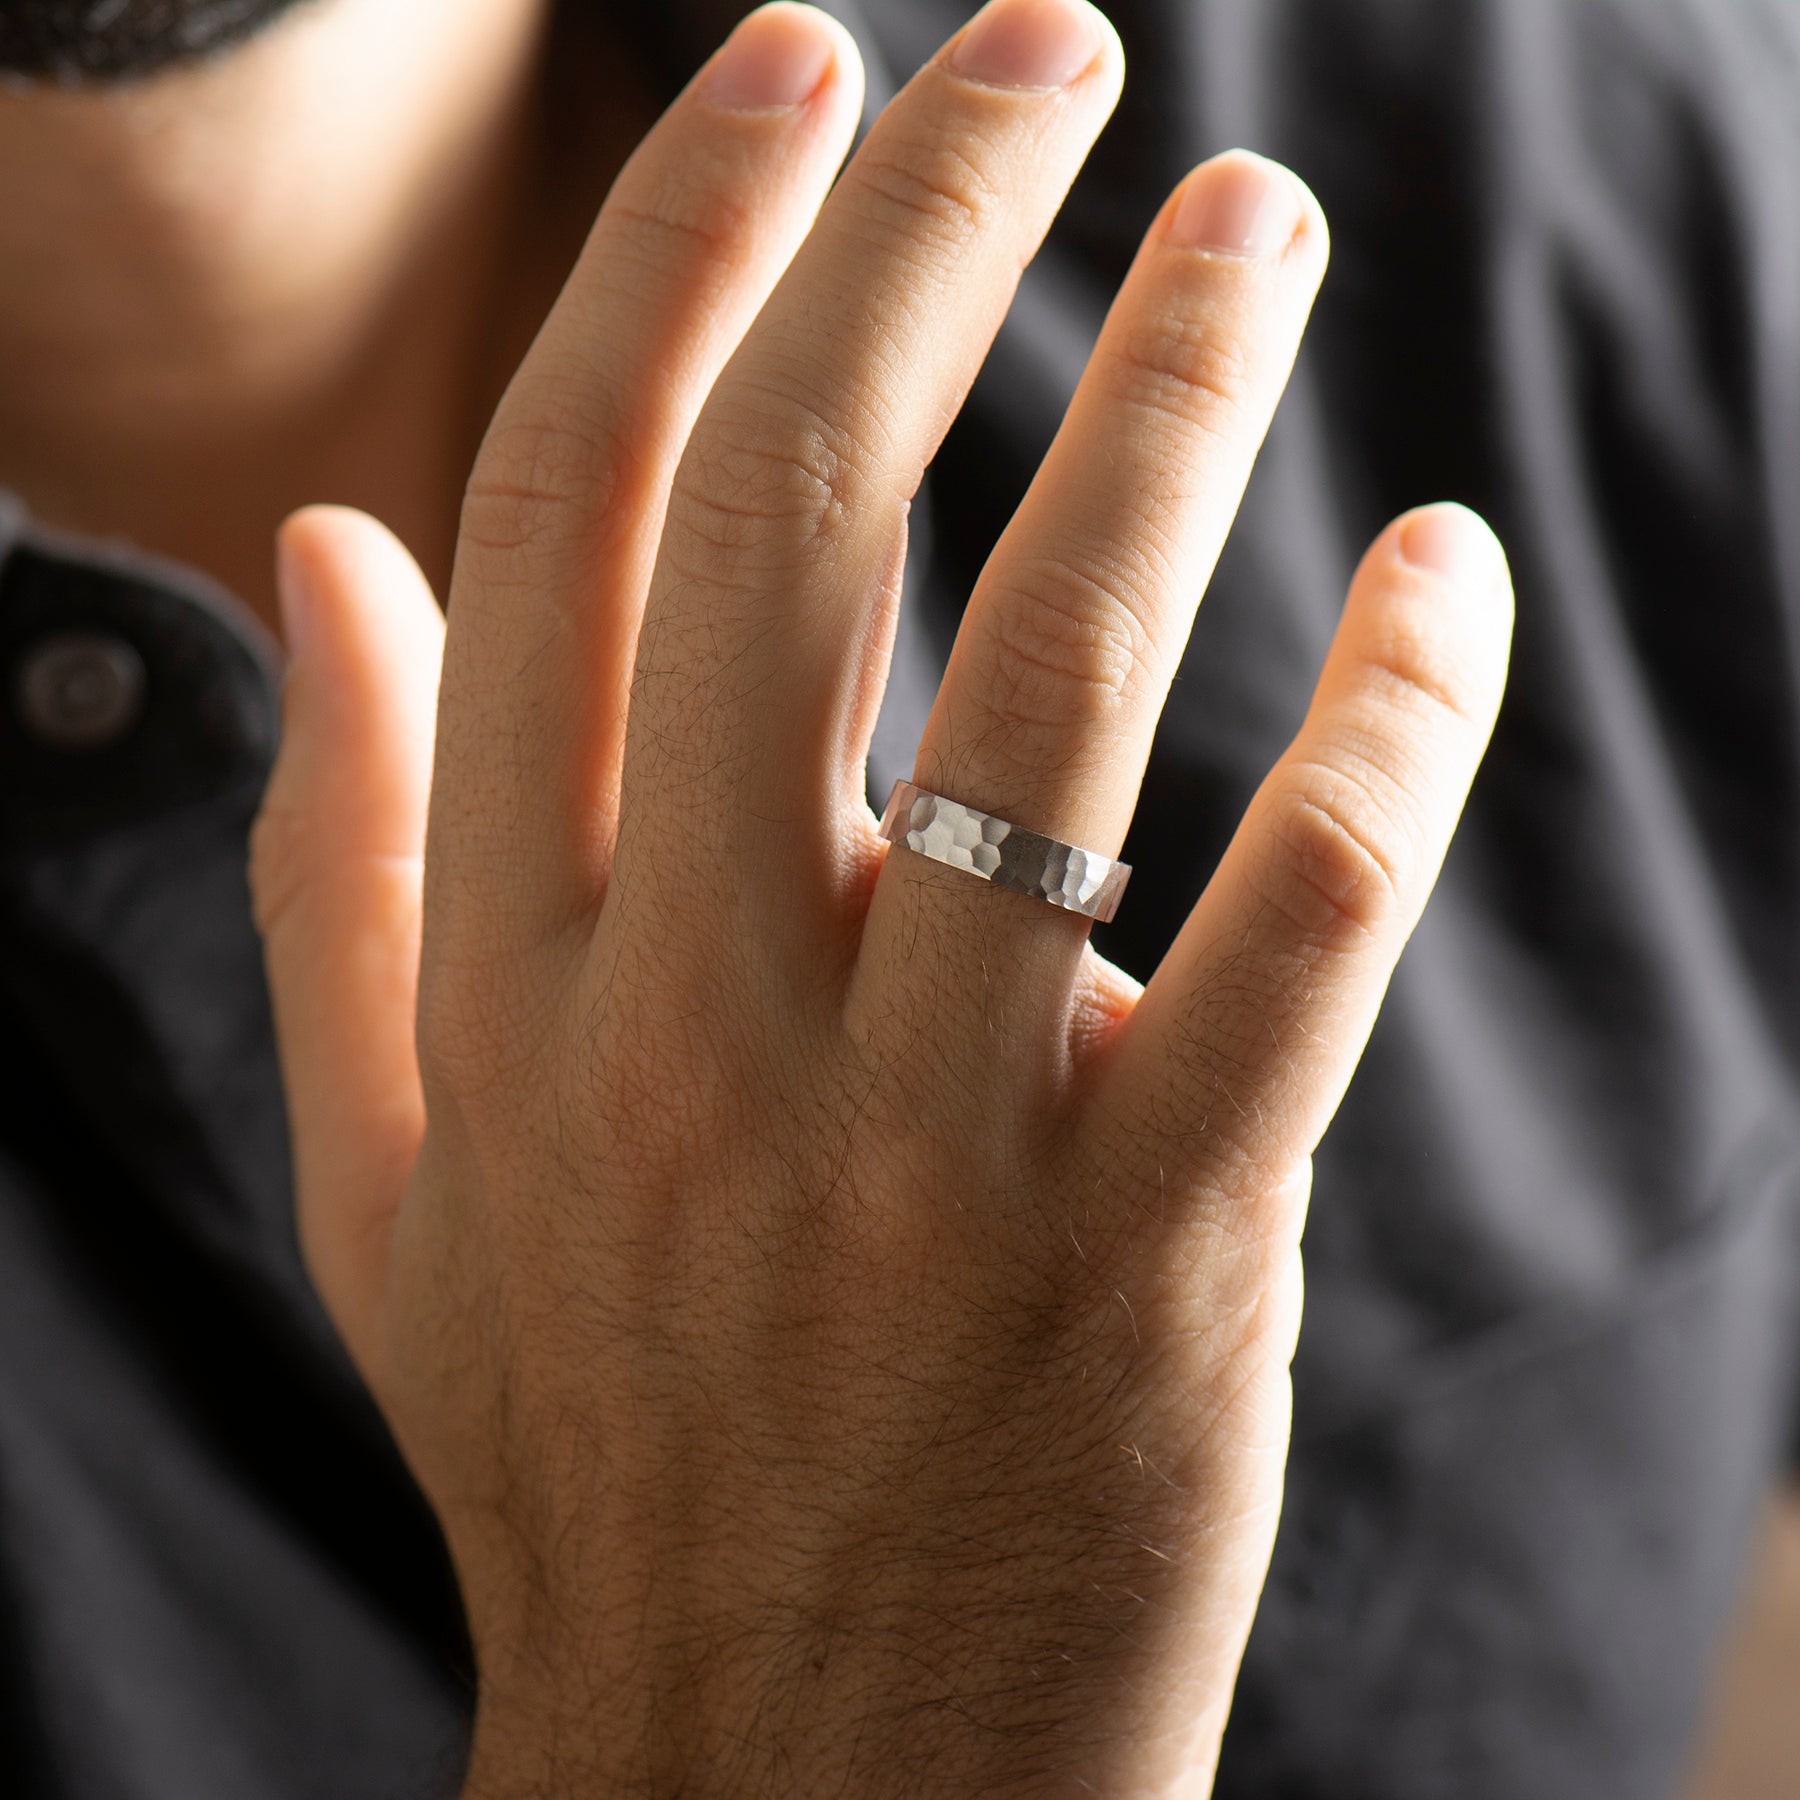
[(1008, 855)]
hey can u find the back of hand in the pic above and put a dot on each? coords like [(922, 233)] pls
[(841, 1322)]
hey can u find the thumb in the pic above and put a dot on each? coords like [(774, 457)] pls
[(335, 861)]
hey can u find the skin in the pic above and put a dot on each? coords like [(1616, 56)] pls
[(242, 254), (843, 1325), (1747, 1749), (841, 1322)]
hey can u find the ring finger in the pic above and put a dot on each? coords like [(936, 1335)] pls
[(1078, 621)]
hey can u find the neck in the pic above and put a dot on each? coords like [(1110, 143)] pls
[(302, 272)]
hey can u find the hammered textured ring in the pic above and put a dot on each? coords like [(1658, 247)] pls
[(1006, 854)]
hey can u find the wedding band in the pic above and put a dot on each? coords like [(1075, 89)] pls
[(1006, 854)]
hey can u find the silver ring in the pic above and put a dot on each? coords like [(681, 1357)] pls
[(1006, 854)]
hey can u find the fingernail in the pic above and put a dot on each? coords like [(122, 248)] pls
[(1449, 540), (1028, 43), (778, 56), (293, 596), (1239, 202)]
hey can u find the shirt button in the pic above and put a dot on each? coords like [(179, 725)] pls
[(80, 690)]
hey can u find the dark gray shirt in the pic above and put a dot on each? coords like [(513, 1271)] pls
[(1549, 1361)]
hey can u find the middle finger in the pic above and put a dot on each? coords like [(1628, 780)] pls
[(1073, 633), (769, 619)]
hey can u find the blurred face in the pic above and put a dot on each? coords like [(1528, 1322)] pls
[(111, 40)]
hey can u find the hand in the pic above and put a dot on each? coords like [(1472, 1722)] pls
[(841, 1322)]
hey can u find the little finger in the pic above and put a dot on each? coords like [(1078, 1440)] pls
[(1229, 1069)]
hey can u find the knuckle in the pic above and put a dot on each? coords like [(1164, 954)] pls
[(942, 187), (1186, 365), (1339, 858), (536, 475), (1064, 650), (477, 1036), (1415, 672), (702, 210), (768, 474)]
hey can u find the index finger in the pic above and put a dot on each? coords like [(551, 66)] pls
[(564, 509)]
